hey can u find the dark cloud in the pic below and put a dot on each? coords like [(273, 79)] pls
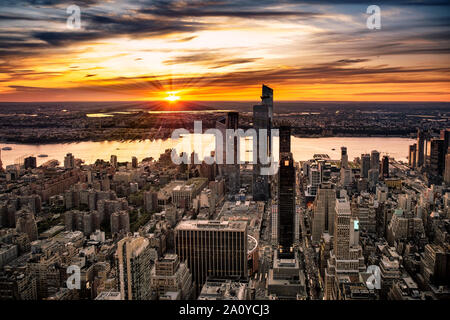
[(102, 27), (207, 8), (51, 3), (211, 59), (346, 61)]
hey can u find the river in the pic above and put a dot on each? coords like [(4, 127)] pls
[(302, 149)]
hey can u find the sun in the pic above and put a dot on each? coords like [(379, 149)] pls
[(172, 97)]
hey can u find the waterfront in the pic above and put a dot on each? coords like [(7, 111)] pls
[(302, 148)]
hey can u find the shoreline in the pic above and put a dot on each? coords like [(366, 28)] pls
[(45, 142)]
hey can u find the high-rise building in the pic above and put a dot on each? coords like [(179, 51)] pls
[(1, 163), (346, 258), (375, 160), (365, 165), (385, 167), (373, 178), (134, 268), (30, 162), (344, 158), (286, 201), (445, 135), (314, 178), (134, 162), (26, 223), (412, 161), (285, 139), (120, 222), (420, 151), (262, 120), (171, 279), (230, 171), (212, 249), (447, 168), (324, 207), (437, 157), (113, 161), (69, 161), (286, 279)]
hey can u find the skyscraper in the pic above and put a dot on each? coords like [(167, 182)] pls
[(171, 275), (133, 268), (447, 168), (230, 171), (324, 207), (30, 162), (385, 167), (262, 120), (212, 248), (346, 258), (420, 151), (134, 162), (412, 161), (375, 160), (344, 158), (445, 135), (286, 201), (69, 161), (365, 165), (437, 156), (113, 161), (1, 163), (285, 139)]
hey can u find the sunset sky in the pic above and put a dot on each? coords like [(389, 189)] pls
[(224, 50)]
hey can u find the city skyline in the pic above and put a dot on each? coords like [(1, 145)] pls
[(234, 151)]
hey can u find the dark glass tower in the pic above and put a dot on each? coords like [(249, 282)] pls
[(285, 139), (286, 201), (262, 119)]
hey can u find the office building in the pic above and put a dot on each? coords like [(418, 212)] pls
[(285, 139), (324, 211), (346, 260), (375, 160), (113, 161), (262, 120), (385, 167), (212, 249), (344, 158), (134, 162), (69, 161), (447, 168), (412, 161), (365, 165), (286, 279), (171, 278), (230, 171), (30, 162), (286, 201), (420, 151), (437, 157), (134, 268)]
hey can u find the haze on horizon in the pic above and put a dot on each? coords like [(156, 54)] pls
[(211, 50)]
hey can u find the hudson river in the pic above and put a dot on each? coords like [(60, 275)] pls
[(302, 148)]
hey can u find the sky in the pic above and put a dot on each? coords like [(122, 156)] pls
[(210, 50)]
